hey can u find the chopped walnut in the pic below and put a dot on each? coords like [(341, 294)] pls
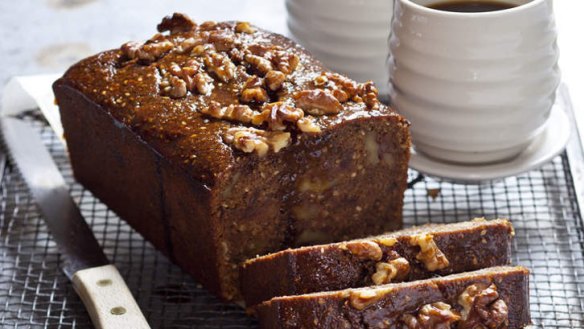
[(393, 271), (432, 257), (221, 66), (253, 90), (244, 27), (200, 50), (207, 25), (254, 140), (174, 87), (275, 79), (317, 102), (203, 83), (256, 94), (129, 49), (386, 241), (262, 65), (368, 93), (277, 114), (241, 113), (237, 55), (347, 85), (186, 72), (176, 23), (363, 298), (285, 61), (307, 125), (482, 308), (340, 95), (222, 40), (321, 81), (187, 45), (437, 315), (366, 250), (149, 52)]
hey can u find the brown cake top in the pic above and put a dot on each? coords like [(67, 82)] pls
[(215, 91)]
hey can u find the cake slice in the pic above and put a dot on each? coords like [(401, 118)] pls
[(220, 141), (410, 254), (496, 297)]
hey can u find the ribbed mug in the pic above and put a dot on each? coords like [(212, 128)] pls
[(477, 87), (348, 36)]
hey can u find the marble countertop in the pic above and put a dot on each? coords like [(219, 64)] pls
[(47, 36)]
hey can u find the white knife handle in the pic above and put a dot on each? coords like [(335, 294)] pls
[(108, 300)]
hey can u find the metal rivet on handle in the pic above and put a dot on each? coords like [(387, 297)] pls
[(104, 282), (118, 310)]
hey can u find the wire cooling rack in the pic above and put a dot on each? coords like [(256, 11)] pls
[(34, 293)]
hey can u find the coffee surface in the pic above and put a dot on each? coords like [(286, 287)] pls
[(466, 6)]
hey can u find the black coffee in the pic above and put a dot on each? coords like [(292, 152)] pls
[(471, 6)]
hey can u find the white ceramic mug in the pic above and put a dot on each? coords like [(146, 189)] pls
[(477, 87), (348, 36)]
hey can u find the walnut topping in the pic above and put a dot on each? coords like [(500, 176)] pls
[(148, 52), (363, 298), (203, 83), (366, 250), (251, 140), (341, 82), (256, 94), (244, 27), (208, 25), (253, 91), (222, 40), (277, 114), (394, 271), (340, 95), (386, 241), (368, 93), (174, 87), (241, 113), (317, 102), (221, 66), (176, 23), (321, 81), (187, 45), (200, 50), (285, 61), (275, 79), (437, 315), (482, 308), (307, 125), (432, 257), (260, 64)]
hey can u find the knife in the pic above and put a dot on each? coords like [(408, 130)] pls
[(102, 289)]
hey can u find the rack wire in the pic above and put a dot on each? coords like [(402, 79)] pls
[(542, 205)]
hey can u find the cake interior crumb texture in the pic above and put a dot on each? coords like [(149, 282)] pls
[(393, 257), (219, 142), (496, 297)]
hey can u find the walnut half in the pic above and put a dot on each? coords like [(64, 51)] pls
[(393, 271), (482, 308), (318, 102), (257, 141), (365, 250), (365, 297), (437, 315), (432, 257)]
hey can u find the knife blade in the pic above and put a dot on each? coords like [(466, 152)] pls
[(99, 284)]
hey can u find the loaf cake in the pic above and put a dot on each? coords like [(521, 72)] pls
[(220, 141), (411, 254), (495, 298)]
